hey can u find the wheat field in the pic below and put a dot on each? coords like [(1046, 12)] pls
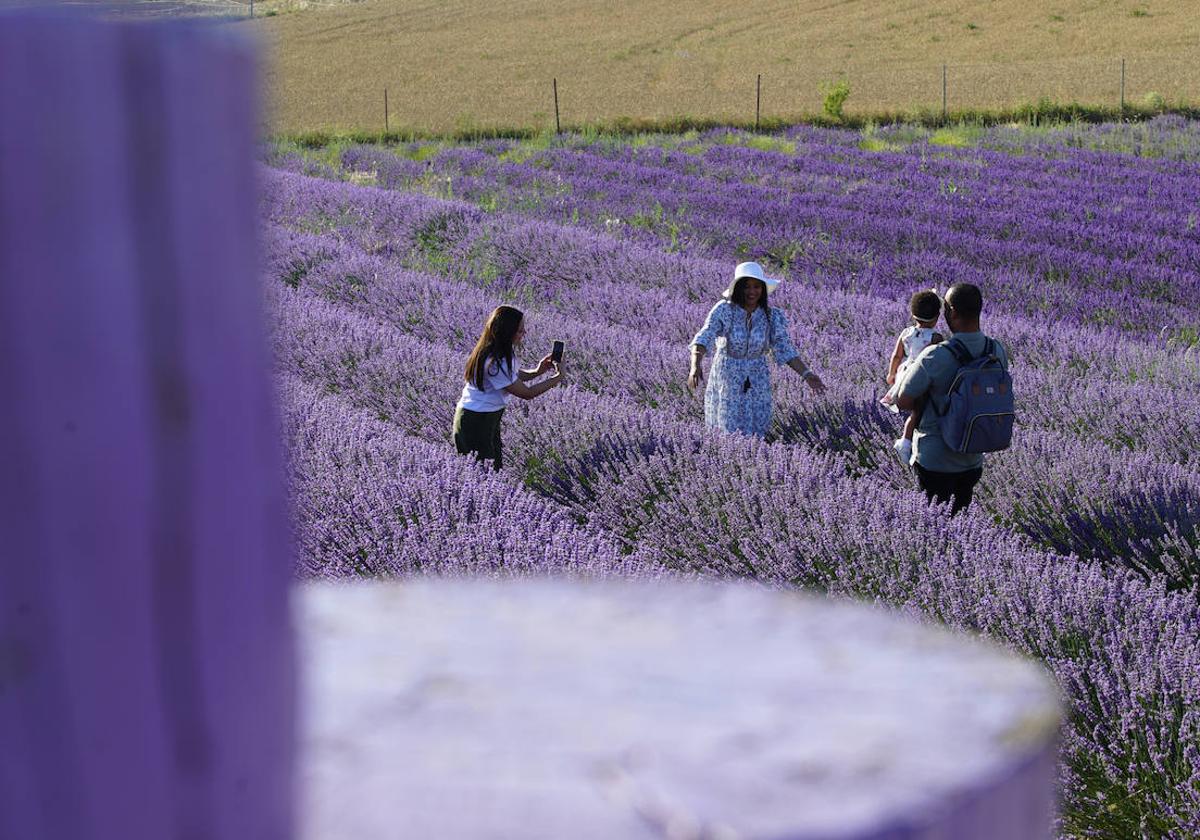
[(457, 64)]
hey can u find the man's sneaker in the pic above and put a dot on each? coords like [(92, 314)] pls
[(903, 447)]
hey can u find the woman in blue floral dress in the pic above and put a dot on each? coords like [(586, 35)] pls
[(746, 330)]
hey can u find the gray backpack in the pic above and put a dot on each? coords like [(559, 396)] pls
[(980, 412)]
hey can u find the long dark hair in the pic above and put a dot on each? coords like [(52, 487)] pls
[(495, 343), (738, 295)]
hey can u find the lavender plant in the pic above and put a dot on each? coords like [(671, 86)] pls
[(1081, 551), (876, 223)]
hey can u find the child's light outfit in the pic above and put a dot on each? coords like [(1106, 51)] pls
[(914, 339)]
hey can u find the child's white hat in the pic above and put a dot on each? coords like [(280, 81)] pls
[(750, 269)]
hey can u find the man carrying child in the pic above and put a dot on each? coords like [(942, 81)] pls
[(942, 472)]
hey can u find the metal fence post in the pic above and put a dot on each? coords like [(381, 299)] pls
[(757, 100), (385, 111), (557, 125)]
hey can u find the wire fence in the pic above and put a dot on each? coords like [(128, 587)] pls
[(445, 102)]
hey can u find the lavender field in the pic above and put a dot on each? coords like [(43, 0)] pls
[(1083, 548)]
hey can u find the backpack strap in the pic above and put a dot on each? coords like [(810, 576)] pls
[(961, 354)]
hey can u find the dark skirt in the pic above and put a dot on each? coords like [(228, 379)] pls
[(479, 432)]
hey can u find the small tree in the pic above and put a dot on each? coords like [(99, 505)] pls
[(836, 94)]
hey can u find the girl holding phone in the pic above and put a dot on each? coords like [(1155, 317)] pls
[(492, 378)]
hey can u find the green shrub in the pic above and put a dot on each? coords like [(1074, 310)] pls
[(835, 96)]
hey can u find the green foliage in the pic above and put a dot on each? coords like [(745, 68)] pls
[(949, 187), (1154, 102), (658, 222), (295, 273), (896, 140), (432, 242), (420, 151), (530, 147), (1181, 337), (955, 136), (834, 99), (874, 144), (784, 255), (310, 139), (771, 144)]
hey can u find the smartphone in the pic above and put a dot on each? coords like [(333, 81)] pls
[(556, 353)]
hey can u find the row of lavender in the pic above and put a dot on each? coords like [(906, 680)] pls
[(1038, 233), (1104, 466), (1168, 136), (629, 483), (370, 499)]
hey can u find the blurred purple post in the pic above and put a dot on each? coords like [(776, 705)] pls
[(146, 672)]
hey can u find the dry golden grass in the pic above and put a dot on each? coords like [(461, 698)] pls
[(479, 63)]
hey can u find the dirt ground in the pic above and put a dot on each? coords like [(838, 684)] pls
[(458, 64)]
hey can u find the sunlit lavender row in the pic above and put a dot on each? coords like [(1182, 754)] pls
[(1081, 550), (1108, 472), (1040, 233)]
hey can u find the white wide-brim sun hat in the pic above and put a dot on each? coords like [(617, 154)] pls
[(750, 269)]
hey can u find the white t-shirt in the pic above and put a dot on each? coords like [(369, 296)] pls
[(496, 377)]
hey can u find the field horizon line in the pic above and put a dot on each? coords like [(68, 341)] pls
[(1042, 114)]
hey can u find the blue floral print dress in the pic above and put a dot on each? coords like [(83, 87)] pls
[(738, 396)]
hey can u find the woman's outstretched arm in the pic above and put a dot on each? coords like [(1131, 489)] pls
[(528, 392), (807, 374)]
